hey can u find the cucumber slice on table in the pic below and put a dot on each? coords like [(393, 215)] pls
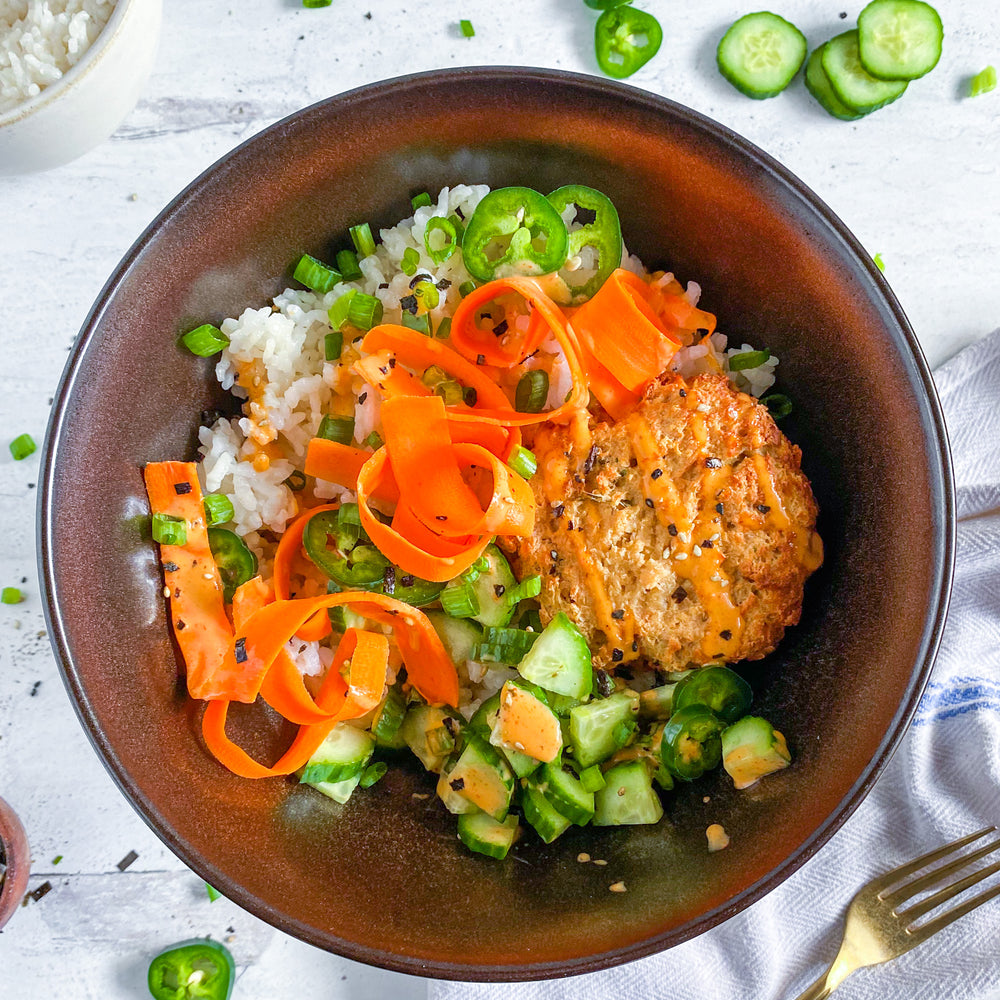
[(851, 82), (899, 39), (818, 84), (760, 53)]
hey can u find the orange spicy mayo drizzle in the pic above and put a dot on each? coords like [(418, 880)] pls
[(808, 546)]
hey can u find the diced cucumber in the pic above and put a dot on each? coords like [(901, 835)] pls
[(592, 779), (485, 835), (339, 791), (525, 724), (854, 86), (503, 645), (343, 754), (388, 720), (491, 586), (559, 661), (342, 618), (594, 727), (657, 703), (459, 635), (548, 822), (453, 801), (484, 777), (760, 54), (818, 84), (419, 722), (482, 719), (628, 798), (752, 748), (565, 792), (899, 39)]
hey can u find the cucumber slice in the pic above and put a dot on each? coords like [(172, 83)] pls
[(491, 586), (565, 792), (343, 754), (854, 86), (548, 822), (339, 791), (484, 777), (627, 798), (419, 722), (594, 727), (389, 720), (899, 39), (760, 54), (453, 801), (525, 724), (818, 84), (752, 748), (559, 661), (485, 835), (459, 635)]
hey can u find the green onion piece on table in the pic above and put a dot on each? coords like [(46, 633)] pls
[(11, 595), (341, 309), (879, 263), (205, 340), (466, 28), (316, 3), (625, 39), (22, 446), (363, 239), (364, 311), (333, 344), (212, 893), (420, 200), (235, 561), (523, 462), (778, 404), (169, 530), (372, 773), (218, 508), (410, 262), (748, 359), (605, 5), (339, 429), (314, 274), (440, 250), (983, 82), (347, 264), (199, 968), (531, 392)]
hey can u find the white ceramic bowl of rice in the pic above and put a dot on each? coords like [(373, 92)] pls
[(70, 71)]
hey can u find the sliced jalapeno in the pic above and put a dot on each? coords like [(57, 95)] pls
[(625, 40), (692, 742), (514, 230), (603, 233), (718, 688), (198, 968), (235, 561)]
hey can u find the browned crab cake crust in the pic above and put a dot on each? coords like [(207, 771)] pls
[(682, 535)]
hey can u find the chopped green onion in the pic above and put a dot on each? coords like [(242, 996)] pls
[(531, 392), (347, 264), (530, 586), (372, 773), (364, 311), (22, 446), (623, 733), (410, 262), (443, 328), (459, 226), (467, 287), (879, 263), (218, 508), (778, 404), (439, 741), (458, 599), (363, 240), (427, 294), (333, 344), (421, 323), (57, 859), (592, 779), (450, 391), (11, 595), (503, 645), (440, 253), (433, 376), (341, 309), (315, 274), (316, 3), (205, 340), (748, 359), (169, 530), (420, 200), (340, 429), (523, 462), (374, 441), (469, 396), (210, 890), (983, 82), (466, 28), (296, 482)]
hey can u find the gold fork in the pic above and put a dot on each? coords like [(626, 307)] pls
[(877, 930)]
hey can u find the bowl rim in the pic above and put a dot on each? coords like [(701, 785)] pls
[(943, 554), (77, 72)]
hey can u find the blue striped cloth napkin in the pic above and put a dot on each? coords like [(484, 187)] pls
[(943, 782)]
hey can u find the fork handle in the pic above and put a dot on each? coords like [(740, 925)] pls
[(839, 970), (819, 989)]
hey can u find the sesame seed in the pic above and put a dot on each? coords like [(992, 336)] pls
[(672, 530), (166, 591), (715, 578), (716, 536), (598, 861), (207, 576), (713, 463), (697, 550), (656, 473), (583, 857), (617, 887), (681, 556), (703, 408), (649, 502)]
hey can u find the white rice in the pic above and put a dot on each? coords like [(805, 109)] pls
[(41, 39)]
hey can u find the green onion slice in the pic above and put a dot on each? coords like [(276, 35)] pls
[(11, 595), (421, 323), (443, 328), (340, 429), (169, 530), (523, 462), (530, 586), (409, 262), (778, 404), (531, 392), (218, 508), (296, 482), (364, 311), (372, 773), (374, 441), (347, 264), (440, 250), (205, 340), (458, 599), (363, 239), (333, 344), (341, 309), (420, 200), (748, 359), (316, 3), (22, 446), (467, 287), (210, 890), (315, 274), (427, 294), (465, 26), (983, 82)]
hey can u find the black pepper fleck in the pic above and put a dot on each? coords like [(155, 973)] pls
[(683, 393), (720, 508), (588, 463), (458, 784), (708, 544), (480, 359), (617, 656), (500, 329), (406, 581), (605, 685), (499, 589), (440, 517), (672, 530), (635, 645), (241, 650), (181, 488), (656, 473), (649, 502), (725, 634), (180, 625), (618, 615), (763, 508), (679, 595), (35, 687), (389, 580), (362, 397), (560, 510), (170, 567)]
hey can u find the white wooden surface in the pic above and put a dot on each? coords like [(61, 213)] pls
[(917, 182)]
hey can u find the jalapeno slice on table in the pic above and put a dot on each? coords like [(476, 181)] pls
[(234, 559), (625, 40), (692, 742), (193, 970), (718, 688), (603, 233), (514, 231)]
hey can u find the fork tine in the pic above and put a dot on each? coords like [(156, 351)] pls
[(896, 874), (916, 911), (924, 931), (910, 889)]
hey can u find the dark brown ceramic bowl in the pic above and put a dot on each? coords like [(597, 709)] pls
[(384, 879)]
